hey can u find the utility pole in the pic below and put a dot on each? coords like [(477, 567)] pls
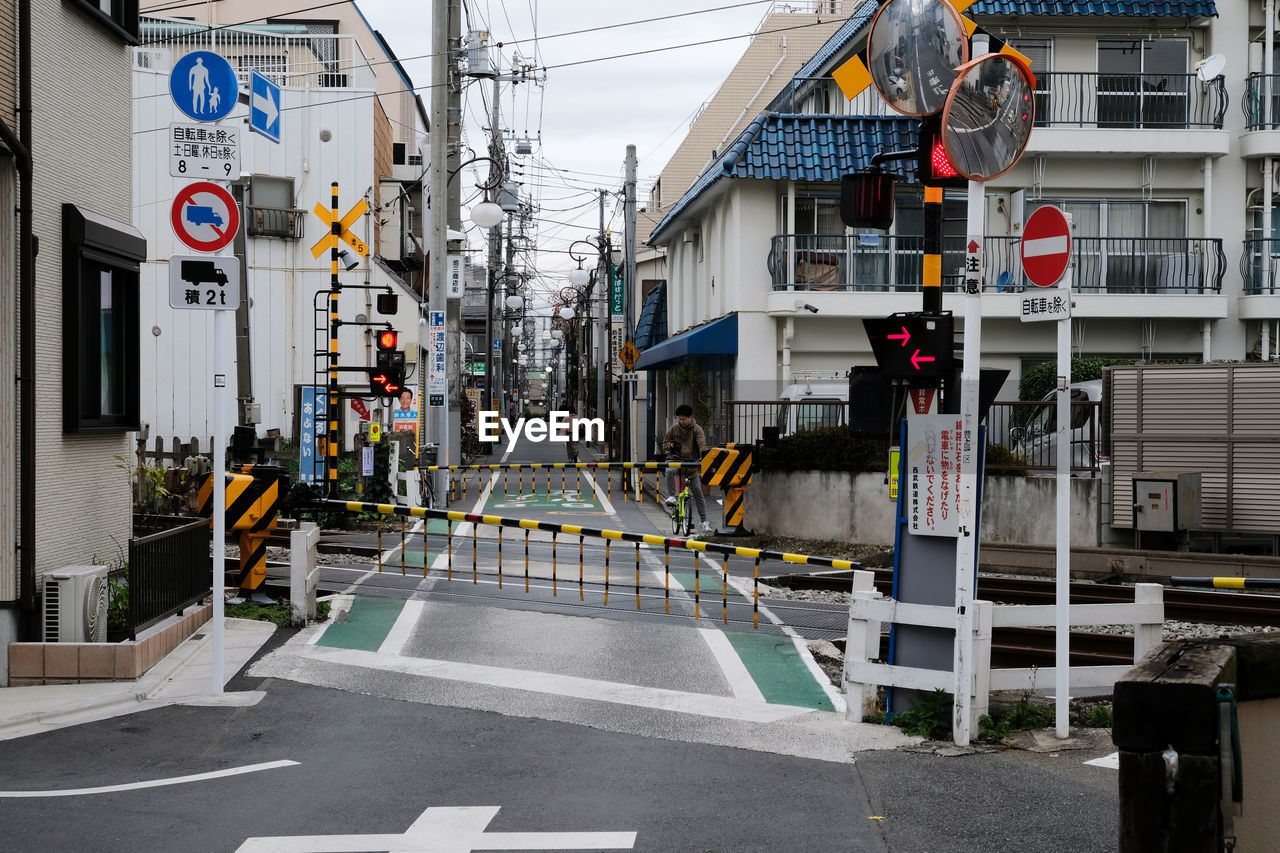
[(604, 285), (628, 289), (438, 178), (495, 251)]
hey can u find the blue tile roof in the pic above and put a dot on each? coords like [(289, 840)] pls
[(860, 18), (818, 148), (651, 328), (1137, 8)]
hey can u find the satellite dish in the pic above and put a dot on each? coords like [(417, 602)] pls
[(1211, 67)]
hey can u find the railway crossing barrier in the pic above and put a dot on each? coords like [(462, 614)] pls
[(730, 467), (608, 537), (253, 501), (868, 609)]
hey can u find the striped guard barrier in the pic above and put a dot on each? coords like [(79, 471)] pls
[(1228, 583)]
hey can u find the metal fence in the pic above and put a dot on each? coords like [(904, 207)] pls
[(1257, 89), (167, 571), (1026, 429), (894, 263), (1256, 280), (1139, 100)]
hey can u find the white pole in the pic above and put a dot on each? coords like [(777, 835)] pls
[(1062, 657), (221, 334)]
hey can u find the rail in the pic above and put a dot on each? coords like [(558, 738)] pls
[(1257, 88), (167, 571), (606, 536), (746, 420), (1150, 101), (880, 263)]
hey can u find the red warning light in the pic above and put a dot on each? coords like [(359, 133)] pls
[(940, 166), (387, 339)]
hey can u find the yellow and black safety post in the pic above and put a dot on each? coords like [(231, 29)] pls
[(335, 288), (730, 467), (253, 501)]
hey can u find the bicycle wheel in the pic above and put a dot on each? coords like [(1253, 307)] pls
[(675, 519), (688, 517)]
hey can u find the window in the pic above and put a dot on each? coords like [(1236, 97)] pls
[(1124, 246), (1040, 52), (1142, 83), (100, 322), (270, 210), (120, 16)]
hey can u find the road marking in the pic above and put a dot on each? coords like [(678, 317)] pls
[(735, 672), (403, 627), (656, 698), (458, 829), (154, 783), (1111, 762)]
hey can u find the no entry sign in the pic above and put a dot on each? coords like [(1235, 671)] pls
[(1046, 246)]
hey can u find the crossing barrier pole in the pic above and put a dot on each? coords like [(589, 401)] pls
[(554, 560), (449, 561), (697, 610), (607, 543), (724, 593), (637, 576), (499, 558), (402, 544), (666, 580), (474, 529), (755, 598), (526, 562), (379, 544)]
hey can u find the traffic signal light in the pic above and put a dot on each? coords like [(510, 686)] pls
[(915, 345), (933, 169), (387, 377)]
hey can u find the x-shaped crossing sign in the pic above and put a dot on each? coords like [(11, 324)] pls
[(330, 240)]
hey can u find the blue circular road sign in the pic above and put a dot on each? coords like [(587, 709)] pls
[(204, 85)]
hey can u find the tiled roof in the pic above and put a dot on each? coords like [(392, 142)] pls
[(860, 18), (818, 148), (1137, 8), (651, 328)]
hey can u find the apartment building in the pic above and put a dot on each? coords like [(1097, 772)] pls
[(1165, 164), (68, 296)]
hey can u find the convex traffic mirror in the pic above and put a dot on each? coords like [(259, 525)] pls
[(988, 116), (913, 50)]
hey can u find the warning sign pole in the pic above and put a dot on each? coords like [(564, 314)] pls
[(335, 288)]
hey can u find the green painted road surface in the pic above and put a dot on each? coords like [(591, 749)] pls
[(368, 623), (544, 499)]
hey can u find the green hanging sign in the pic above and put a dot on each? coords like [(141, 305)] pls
[(617, 301)]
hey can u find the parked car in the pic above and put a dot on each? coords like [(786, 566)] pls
[(1036, 439), (812, 405)]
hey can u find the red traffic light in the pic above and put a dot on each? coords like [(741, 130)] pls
[(939, 165), (387, 339)]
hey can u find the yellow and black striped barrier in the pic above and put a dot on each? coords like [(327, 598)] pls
[(459, 479), (1228, 583), (730, 467), (608, 536), (253, 501)]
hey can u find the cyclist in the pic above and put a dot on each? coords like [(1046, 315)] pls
[(686, 442)]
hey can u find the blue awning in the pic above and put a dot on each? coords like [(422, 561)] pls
[(719, 337)]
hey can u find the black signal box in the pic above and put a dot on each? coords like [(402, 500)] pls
[(913, 345)]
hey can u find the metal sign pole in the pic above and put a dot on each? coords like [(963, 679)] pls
[(221, 331), (1062, 654)]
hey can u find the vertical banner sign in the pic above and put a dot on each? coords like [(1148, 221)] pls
[(935, 448), (437, 381), (366, 461), (973, 265), (453, 277), (314, 412), (617, 301)]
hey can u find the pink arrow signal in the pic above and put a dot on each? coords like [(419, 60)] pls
[(916, 358), (904, 337)]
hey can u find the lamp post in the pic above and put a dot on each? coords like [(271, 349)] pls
[(580, 279)]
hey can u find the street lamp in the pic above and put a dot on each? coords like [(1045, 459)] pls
[(566, 313)]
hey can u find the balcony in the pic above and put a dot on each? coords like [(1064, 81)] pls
[(877, 263), (293, 60), (1148, 101), (284, 222), (1262, 126)]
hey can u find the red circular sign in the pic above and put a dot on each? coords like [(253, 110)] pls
[(1046, 246), (205, 216)]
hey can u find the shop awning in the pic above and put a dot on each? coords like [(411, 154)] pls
[(719, 337)]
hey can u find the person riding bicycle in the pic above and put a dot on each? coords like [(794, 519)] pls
[(686, 442)]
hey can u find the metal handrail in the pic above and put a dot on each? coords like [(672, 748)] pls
[(894, 263), (1254, 103), (1140, 100)]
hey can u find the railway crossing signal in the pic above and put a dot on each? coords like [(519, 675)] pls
[(343, 230), (913, 345), (386, 379)]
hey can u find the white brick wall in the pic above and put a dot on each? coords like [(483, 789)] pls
[(8, 397), (82, 151)]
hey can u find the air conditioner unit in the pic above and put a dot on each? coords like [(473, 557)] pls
[(155, 60), (75, 605)]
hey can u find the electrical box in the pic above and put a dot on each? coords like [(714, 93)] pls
[(1166, 500)]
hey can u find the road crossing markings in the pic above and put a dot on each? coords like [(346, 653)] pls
[(1111, 762), (457, 829), (735, 672), (403, 627), (152, 783)]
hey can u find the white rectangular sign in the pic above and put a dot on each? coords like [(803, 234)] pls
[(453, 277), (437, 380), (211, 282), (204, 151), (1046, 305), (973, 265), (936, 445)]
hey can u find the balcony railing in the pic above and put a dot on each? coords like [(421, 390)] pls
[(1255, 280), (1150, 101), (885, 263), (291, 60), (1256, 87)]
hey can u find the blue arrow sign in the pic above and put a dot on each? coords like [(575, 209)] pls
[(204, 86), (264, 106)]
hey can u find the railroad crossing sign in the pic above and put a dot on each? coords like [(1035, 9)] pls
[(1046, 246), (204, 85), (330, 240), (205, 216), (628, 355), (264, 106)]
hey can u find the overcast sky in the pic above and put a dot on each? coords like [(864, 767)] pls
[(584, 115)]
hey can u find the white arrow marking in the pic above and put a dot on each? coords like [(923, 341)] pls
[(446, 830), (266, 105), (1044, 246)]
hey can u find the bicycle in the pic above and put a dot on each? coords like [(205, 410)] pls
[(426, 477), (681, 512)]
